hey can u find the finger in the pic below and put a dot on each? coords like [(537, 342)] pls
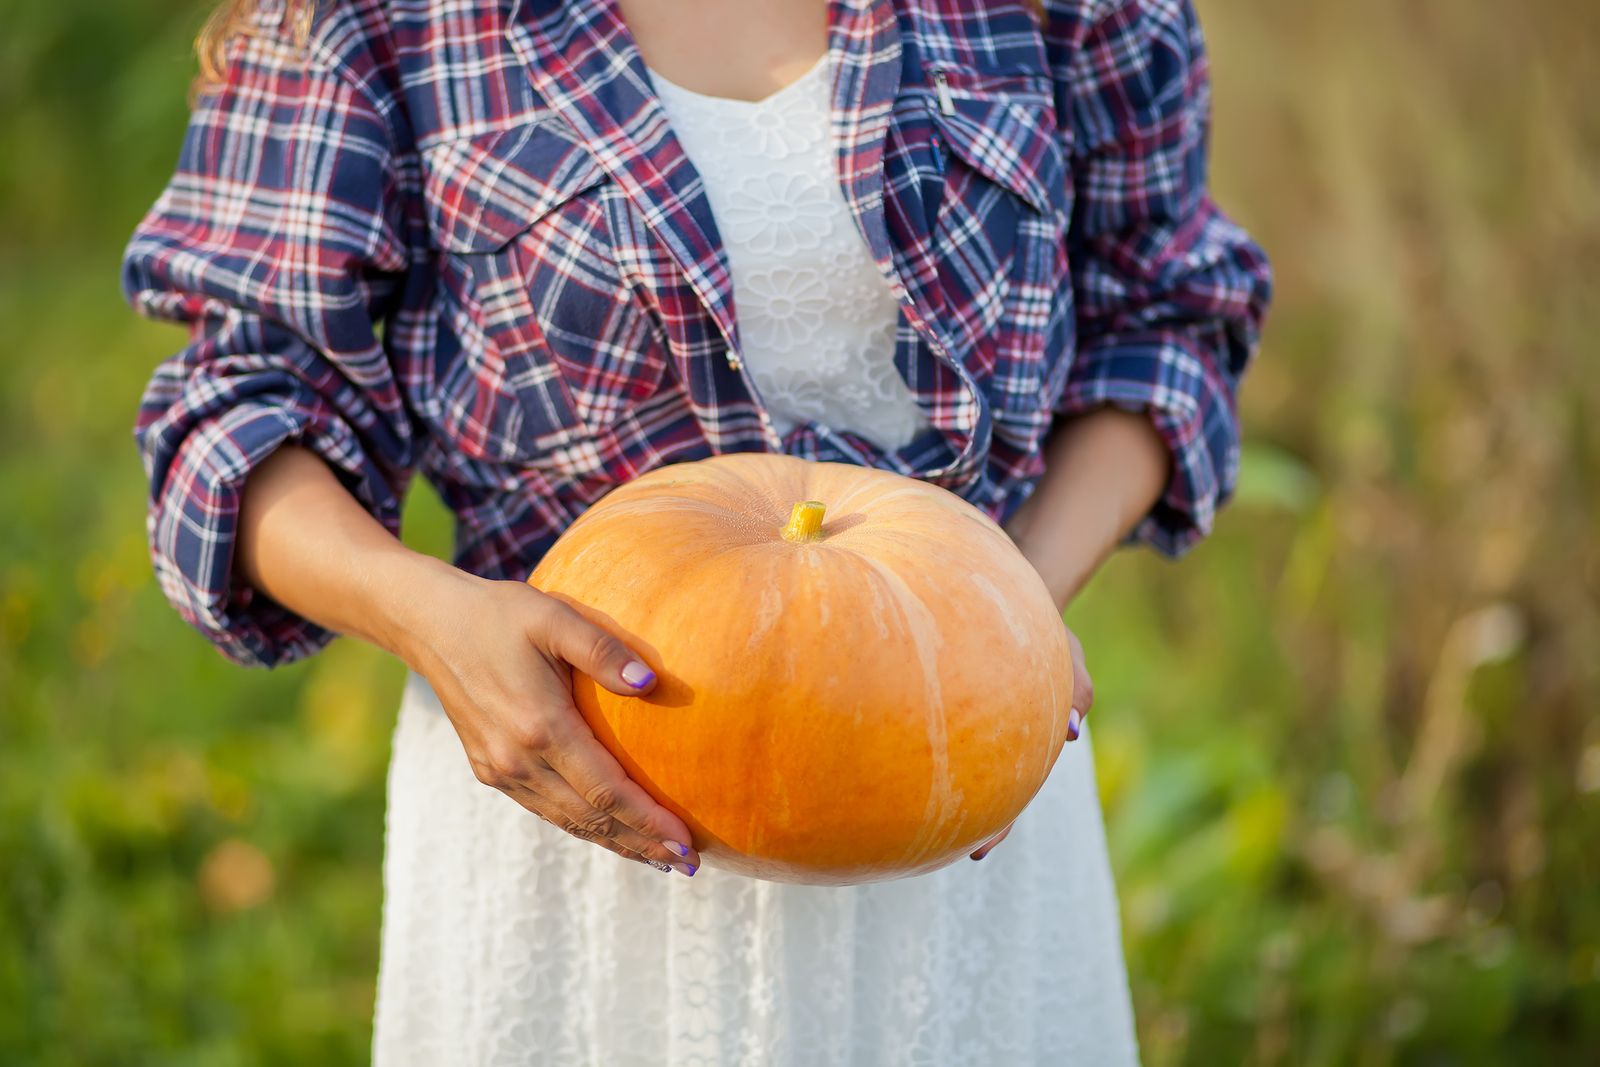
[(595, 652), (537, 803), (572, 814), (1082, 684), (591, 785), (1082, 689), (989, 845), (593, 776)]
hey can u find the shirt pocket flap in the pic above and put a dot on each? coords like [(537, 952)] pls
[(484, 192), (1002, 140)]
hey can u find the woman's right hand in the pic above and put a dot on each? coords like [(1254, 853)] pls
[(500, 657)]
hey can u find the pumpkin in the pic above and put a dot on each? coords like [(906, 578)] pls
[(860, 677)]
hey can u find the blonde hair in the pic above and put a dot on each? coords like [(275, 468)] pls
[(242, 18)]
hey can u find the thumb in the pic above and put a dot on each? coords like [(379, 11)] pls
[(592, 650)]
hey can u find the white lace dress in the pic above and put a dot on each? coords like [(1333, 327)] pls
[(506, 942)]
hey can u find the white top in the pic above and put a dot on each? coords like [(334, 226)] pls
[(816, 316)]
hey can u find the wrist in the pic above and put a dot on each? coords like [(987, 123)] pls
[(1103, 471), (406, 591)]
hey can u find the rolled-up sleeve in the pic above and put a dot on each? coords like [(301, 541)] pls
[(279, 243), (1170, 293)]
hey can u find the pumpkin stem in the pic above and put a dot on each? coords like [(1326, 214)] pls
[(805, 522)]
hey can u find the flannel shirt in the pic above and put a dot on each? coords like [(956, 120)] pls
[(460, 238)]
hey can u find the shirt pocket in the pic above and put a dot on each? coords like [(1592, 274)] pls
[(542, 345), (998, 229)]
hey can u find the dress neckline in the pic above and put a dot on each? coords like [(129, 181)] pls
[(666, 85)]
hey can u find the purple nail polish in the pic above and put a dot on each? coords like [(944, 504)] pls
[(688, 870), (682, 850), (1074, 724), (638, 675)]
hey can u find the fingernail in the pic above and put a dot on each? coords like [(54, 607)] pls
[(637, 674), (1074, 724), (685, 869), (682, 850)]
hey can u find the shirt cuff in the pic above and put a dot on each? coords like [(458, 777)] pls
[(1166, 376), (193, 527)]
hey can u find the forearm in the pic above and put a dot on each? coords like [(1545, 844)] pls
[(1104, 470), (497, 654), (305, 542)]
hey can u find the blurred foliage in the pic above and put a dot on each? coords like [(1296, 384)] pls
[(1348, 749)]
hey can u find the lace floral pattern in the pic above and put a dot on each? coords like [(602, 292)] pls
[(816, 318), (508, 944)]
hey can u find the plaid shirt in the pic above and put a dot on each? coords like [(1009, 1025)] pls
[(460, 238)]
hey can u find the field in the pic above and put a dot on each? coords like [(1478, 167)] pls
[(1349, 748)]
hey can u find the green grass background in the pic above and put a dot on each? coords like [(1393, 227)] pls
[(1349, 748)]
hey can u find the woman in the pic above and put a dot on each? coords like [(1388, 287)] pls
[(533, 249)]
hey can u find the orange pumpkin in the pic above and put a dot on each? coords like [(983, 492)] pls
[(860, 676)]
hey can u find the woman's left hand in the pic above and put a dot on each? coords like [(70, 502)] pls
[(1082, 701)]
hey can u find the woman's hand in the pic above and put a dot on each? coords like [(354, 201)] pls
[(500, 657)]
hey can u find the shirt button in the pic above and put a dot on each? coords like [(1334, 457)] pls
[(733, 359)]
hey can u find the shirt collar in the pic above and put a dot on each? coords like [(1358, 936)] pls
[(583, 62)]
